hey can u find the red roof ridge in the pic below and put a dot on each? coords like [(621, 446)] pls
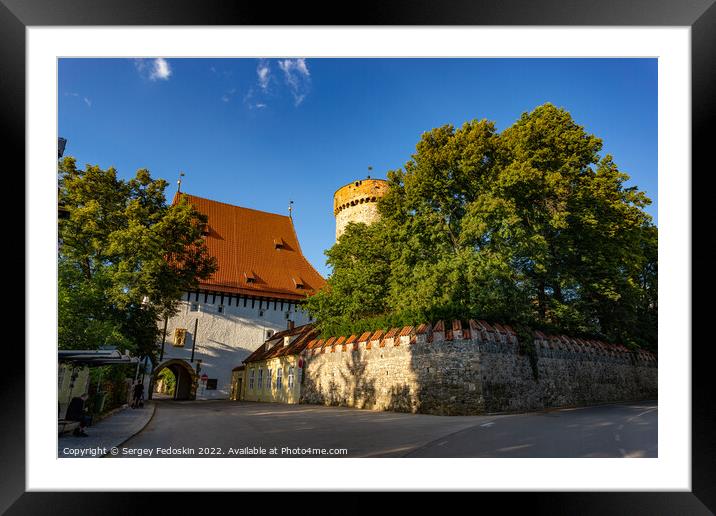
[(229, 204)]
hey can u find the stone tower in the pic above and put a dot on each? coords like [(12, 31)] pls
[(357, 202)]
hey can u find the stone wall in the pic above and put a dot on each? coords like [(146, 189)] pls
[(471, 369)]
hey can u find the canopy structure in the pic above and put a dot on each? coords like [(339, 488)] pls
[(95, 357)]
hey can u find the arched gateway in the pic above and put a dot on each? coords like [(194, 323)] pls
[(186, 378)]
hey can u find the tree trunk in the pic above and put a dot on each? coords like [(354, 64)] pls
[(542, 299)]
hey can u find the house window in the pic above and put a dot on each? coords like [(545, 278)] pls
[(288, 314), (194, 307), (220, 309), (268, 379), (251, 379), (290, 377), (261, 379), (269, 334), (211, 384), (179, 337), (279, 379), (261, 313)]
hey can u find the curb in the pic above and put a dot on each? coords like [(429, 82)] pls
[(110, 413), (154, 409)]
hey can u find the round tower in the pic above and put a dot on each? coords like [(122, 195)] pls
[(358, 202)]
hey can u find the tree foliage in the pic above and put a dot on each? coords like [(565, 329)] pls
[(529, 226), (125, 257)]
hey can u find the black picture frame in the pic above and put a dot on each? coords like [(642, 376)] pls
[(700, 15)]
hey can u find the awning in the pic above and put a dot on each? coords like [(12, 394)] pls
[(95, 357)]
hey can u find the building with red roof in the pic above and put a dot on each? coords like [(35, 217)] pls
[(257, 290)]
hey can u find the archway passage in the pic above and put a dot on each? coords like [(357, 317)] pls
[(184, 380)]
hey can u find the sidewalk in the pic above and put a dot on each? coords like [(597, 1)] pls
[(109, 432)]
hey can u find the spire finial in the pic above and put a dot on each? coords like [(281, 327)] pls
[(181, 174), (290, 210), (370, 167)]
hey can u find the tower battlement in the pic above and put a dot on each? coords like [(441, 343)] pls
[(358, 202)]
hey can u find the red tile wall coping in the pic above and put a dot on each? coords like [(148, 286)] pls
[(365, 336), (474, 329)]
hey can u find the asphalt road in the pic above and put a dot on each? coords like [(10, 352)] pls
[(241, 429)]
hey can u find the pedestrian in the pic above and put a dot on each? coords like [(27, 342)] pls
[(76, 412), (138, 395)]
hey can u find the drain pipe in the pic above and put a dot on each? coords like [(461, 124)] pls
[(193, 340)]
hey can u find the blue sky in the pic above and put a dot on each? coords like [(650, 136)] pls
[(258, 133)]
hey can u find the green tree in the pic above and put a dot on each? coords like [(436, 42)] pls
[(125, 257), (529, 226)]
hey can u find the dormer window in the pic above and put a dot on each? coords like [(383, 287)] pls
[(297, 281), (278, 243), (250, 277), (205, 229)]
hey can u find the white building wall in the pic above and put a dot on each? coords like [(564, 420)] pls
[(225, 339)]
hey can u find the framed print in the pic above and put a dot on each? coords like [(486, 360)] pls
[(277, 134)]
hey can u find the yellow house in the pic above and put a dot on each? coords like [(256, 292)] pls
[(237, 382), (273, 372)]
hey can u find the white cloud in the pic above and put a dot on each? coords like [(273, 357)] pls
[(155, 69), (77, 95), (264, 73), (251, 101), (297, 76), (160, 70), (226, 97)]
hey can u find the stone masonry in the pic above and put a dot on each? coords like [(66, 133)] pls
[(357, 202), (471, 368)]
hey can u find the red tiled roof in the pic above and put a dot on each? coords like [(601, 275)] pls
[(391, 333), (486, 325), (406, 331), (243, 241), (422, 329), (300, 337)]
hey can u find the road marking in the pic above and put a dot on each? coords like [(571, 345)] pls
[(487, 425), (442, 443), (514, 448), (639, 415), (617, 438)]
